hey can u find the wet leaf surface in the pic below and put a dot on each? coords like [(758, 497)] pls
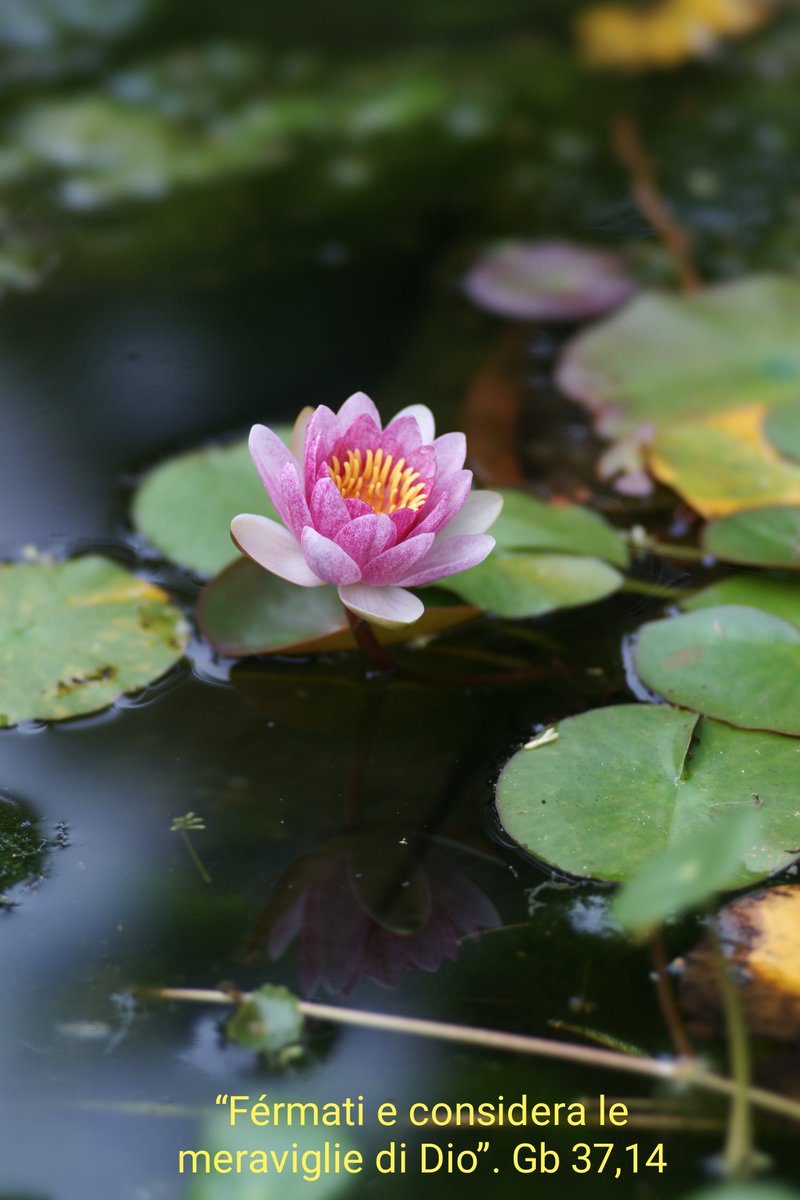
[(764, 537), (530, 585), (625, 783), (730, 662), (76, 635)]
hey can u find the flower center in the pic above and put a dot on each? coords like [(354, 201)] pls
[(375, 478)]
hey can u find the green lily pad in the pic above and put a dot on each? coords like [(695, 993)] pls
[(730, 662), (246, 610), (780, 597), (74, 636), (185, 505), (782, 427), (269, 1021), (764, 537), (529, 585), (527, 523), (622, 784), (254, 1162), (667, 357), (689, 873)]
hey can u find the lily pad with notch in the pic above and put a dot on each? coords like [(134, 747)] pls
[(624, 783)]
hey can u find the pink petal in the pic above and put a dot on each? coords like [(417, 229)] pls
[(479, 511), (273, 547), (403, 519), (451, 453), (445, 504), (424, 418), (329, 511), (271, 457), (327, 560), (448, 557), (357, 405), (393, 564), (365, 537), (293, 509), (388, 606)]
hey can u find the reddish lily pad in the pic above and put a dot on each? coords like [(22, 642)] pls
[(548, 281), (730, 662), (246, 610), (619, 785), (764, 537)]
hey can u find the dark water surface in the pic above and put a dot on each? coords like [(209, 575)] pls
[(162, 328)]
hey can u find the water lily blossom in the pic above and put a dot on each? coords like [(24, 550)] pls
[(373, 511)]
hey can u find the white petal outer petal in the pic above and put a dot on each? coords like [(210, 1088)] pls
[(391, 607), (478, 513), (272, 547), (424, 418), (298, 441)]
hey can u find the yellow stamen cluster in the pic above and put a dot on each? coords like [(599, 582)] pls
[(385, 485)]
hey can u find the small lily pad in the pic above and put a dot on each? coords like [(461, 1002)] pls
[(780, 597), (530, 585), (528, 523), (730, 662), (763, 537), (782, 427), (624, 783), (548, 281), (74, 636), (185, 505), (689, 873), (246, 610), (269, 1021)]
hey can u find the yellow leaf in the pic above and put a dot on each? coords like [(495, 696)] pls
[(722, 463), (667, 34)]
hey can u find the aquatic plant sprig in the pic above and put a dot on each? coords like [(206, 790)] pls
[(372, 510)]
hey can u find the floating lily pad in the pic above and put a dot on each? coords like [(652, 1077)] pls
[(730, 662), (696, 375), (781, 597), (246, 610), (548, 281), (623, 784), (185, 505), (782, 427), (529, 585), (268, 1021), (527, 523), (723, 463), (689, 873), (74, 636), (668, 357), (764, 537)]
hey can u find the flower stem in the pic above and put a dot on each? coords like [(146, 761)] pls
[(365, 636), (739, 1150), (682, 1071)]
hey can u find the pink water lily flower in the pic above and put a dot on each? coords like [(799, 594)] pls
[(373, 511)]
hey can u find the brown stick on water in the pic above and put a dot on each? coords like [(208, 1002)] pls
[(630, 152)]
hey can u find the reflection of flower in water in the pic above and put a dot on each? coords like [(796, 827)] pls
[(370, 904), (666, 33)]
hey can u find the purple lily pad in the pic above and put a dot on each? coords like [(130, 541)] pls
[(548, 281)]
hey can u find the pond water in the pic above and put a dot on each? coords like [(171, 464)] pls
[(240, 294)]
